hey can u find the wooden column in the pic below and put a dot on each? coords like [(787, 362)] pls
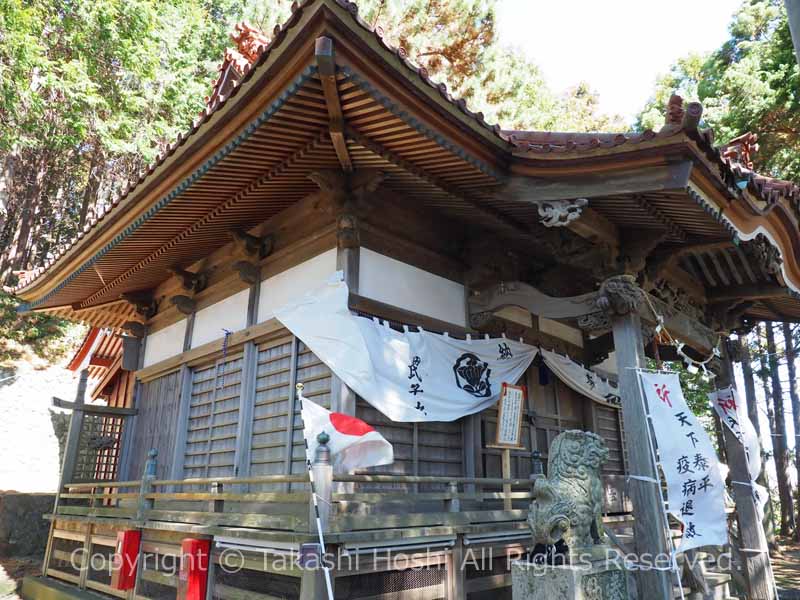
[(69, 460), (620, 297), (348, 258), (71, 448), (751, 534)]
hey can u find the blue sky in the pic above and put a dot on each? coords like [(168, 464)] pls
[(618, 46)]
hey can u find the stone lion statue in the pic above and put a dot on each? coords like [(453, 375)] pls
[(567, 504)]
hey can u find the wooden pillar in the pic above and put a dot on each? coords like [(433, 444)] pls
[(751, 535), (348, 258), (71, 448), (620, 298), (456, 576), (69, 460)]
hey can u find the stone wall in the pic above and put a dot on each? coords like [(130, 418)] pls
[(23, 531)]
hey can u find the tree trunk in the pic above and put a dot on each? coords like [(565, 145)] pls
[(779, 440), (763, 375), (791, 356), (752, 413), (749, 386), (92, 185), (17, 251)]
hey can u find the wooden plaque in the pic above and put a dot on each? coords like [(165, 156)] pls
[(509, 416)]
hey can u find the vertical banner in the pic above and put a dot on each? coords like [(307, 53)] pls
[(732, 413), (695, 489)]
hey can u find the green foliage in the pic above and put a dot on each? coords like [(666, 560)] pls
[(751, 83), (48, 337)]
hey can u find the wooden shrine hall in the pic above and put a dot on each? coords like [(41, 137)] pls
[(324, 149)]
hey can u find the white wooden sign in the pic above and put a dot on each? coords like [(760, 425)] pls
[(509, 416)]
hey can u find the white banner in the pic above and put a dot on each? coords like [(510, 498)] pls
[(733, 414), (582, 380), (695, 489), (408, 376)]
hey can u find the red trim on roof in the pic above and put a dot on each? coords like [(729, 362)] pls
[(86, 346)]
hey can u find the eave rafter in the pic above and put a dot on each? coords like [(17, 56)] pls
[(326, 66), (206, 219), (494, 215)]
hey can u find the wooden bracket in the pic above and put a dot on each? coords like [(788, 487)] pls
[(135, 328), (347, 192), (184, 304), (144, 302), (636, 246), (191, 282), (248, 272), (252, 245), (326, 67)]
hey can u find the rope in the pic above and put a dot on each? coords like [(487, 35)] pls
[(314, 498)]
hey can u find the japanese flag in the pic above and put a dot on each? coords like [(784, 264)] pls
[(353, 443)]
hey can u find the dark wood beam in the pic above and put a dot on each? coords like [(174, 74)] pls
[(673, 176), (595, 227), (95, 408), (326, 67), (486, 302), (746, 292)]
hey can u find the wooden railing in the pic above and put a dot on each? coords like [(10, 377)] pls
[(208, 503), (232, 502)]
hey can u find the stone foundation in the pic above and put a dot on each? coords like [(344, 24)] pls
[(23, 531)]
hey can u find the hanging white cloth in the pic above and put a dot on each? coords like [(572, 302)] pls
[(582, 380), (408, 376), (695, 489), (732, 413)]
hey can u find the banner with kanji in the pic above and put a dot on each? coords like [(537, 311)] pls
[(407, 375), (733, 414), (695, 489)]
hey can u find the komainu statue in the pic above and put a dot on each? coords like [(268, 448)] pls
[(567, 504)]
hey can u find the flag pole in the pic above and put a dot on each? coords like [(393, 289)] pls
[(322, 438)]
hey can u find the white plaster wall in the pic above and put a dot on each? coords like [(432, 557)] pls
[(293, 283), (393, 282), (230, 314), (559, 330), (164, 343)]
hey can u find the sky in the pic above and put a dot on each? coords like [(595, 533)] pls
[(618, 46)]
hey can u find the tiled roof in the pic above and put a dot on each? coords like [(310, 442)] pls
[(733, 158), (253, 48)]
